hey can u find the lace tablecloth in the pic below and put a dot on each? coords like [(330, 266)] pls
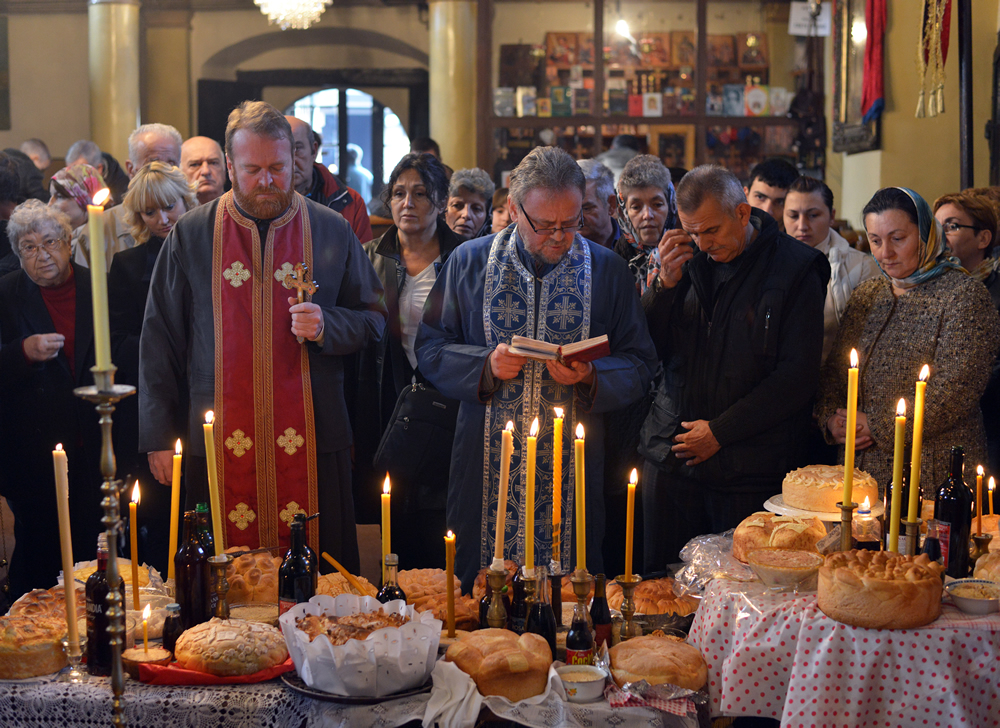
[(779, 656)]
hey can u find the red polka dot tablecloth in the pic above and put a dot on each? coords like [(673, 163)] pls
[(779, 656)]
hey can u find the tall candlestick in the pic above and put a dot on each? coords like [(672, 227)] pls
[(992, 485), (557, 445), (896, 503), (979, 500), (581, 502), (61, 468), (918, 439), (213, 482), (852, 423), (630, 522), (449, 570), (529, 504), (99, 280), (386, 524), (175, 508), (506, 450), (134, 534), (145, 629)]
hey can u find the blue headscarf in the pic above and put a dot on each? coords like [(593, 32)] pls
[(933, 257)]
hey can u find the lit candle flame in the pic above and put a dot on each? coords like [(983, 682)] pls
[(101, 196), (59, 447), (510, 426), (901, 408), (145, 613), (386, 486), (992, 484), (534, 427), (177, 447), (925, 373), (854, 358), (867, 505), (450, 534), (634, 477), (979, 471), (579, 430), (209, 417), (558, 411), (135, 493)]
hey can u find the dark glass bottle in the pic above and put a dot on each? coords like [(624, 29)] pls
[(555, 582), (390, 589), (205, 529), (903, 507), (579, 639), (932, 547), (541, 618), (600, 613), (310, 554), (192, 576), (172, 626), (953, 513), (296, 579), (97, 590), (518, 604)]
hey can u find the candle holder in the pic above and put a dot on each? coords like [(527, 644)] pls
[(912, 536), (74, 656), (846, 525), (105, 394), (981, 548), (530, 582), (555, 584), (582, 583), (496, 615), (220, 583), (629, 627)]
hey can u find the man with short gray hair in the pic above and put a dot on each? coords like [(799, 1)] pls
[(600, 204), (539, 279), (736, 312)]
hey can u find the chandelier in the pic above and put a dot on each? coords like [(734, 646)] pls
[(298, 14)]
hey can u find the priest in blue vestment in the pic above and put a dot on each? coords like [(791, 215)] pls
[(537, 278)]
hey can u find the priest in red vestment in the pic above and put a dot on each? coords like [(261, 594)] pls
[(224, 331)]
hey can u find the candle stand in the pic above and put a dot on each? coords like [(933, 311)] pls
[(530, 582), (582, 583), (846, 525), (219, 565), (912, 536), (629, 628), (981, 548), (496, 615), (555, 586), (74, 656), (105, 394)]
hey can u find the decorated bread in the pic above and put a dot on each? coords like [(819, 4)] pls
[(501, 663), (987, 567), (479, 588), (31, 646), (124, 570), (226, 647), (821, 487), (764, 529), (421, 583), (252, 577), (335, 585), (880, 589), (339, 630), (655, 596), (466, 609), (658, 659), (48, 603)]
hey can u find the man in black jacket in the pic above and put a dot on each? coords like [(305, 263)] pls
[(736, 313)]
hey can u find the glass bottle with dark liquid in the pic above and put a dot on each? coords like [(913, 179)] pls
[(579, 639), (205, 529), (953, 513), (192, 576), (97, 590), (518, 604), (391, 589), (541, 618), (309, 553), (172, 626), (600, 613), (296, 578)]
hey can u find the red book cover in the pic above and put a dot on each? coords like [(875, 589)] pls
[(635, 105)]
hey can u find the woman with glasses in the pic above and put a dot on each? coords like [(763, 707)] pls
[(924, 309), (46, 349)]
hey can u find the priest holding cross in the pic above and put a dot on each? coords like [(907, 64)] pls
[(229, 328)]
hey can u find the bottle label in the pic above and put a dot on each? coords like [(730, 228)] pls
[(517, 625), (284, 605), (944, 538), (580, 657)]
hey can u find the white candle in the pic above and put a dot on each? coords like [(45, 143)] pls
[(61, 466), (99, 280)]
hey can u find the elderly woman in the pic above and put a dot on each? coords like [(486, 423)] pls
[(71, 189), (46, 349), (407, 258), (648, 208), (923, 310), (468, 208)]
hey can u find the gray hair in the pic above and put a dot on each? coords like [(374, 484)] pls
[(644, 170), (164, 130), (710, 180), (549, 168), (474, 180), (34, 216), (597, 172), (35, 146), (87, 149)]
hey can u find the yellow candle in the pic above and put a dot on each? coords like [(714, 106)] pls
[(581, 502), (99, 280), (529, 506), (991, 487), (852, 422), (449, 570), (630, 523), (175, 507), (896, 503), (506, 450), (386, 525), (145, 629), (918, 439), (61, 467), (557, 444), (213, 482), (979, 500), (133, 532)]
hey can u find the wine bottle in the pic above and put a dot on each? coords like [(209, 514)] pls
[(192, 579), (541, 618), (310, 554), (600, 613), (390, 589), (172, 626), (953, 513), (205, 529), (96, 590), (579, 639), (296, 580), (518, 604)]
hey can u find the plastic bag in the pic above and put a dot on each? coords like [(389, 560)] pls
[(709, 557)]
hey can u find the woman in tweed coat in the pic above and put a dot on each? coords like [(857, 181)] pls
[(924, 310)]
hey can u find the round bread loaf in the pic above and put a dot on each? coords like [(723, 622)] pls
[(420, 583), (987, 567), (252, 577), (501, 663), (821, 487), (654, 596), (335, 584), (880, 589), (466, 609), (30, 646), (226, 647), (763, 529), (48, 603), (658, 659), (124, 571)]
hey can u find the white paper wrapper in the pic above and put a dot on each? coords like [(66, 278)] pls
[(388, 661)]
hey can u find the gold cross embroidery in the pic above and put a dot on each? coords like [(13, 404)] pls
[(236, 274), (282, 273), (290, 510), (239, 443), (242, 516), (291, 441)]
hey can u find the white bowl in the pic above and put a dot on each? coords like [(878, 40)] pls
[(971, 604), (587, 689)]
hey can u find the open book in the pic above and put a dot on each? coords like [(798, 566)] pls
[(582, 351)]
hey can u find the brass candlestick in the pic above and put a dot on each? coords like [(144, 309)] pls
[(220, 583), (629, 627), (105, 394), (981, 548), (846, 525), (912, 536), (530, 582), (582, 582), (496, 615)]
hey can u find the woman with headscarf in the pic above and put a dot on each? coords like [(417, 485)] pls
[(71, 189), (647, 209), (470, 195), (923, 310)]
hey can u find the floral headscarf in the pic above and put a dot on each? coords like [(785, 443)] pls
[(645, 262), (78, 183), (934, 258)]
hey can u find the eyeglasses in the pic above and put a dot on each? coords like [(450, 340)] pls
[(954, 227), (568, 229), (31, 250)]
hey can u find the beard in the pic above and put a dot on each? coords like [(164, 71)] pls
[(262, 209)]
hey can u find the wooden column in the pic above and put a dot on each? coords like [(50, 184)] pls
[(114, 73)]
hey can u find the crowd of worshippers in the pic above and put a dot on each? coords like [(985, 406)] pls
[(730, 306)]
